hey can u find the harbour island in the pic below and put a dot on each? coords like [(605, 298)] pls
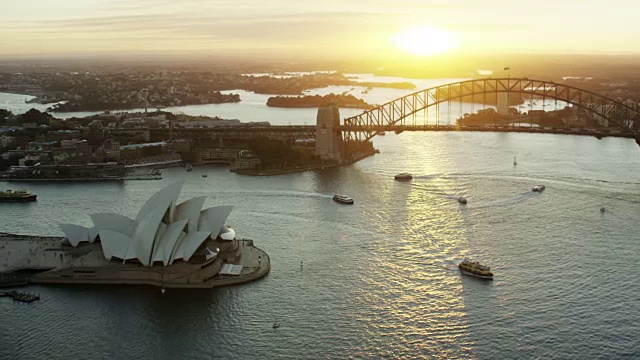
[(314, 101)]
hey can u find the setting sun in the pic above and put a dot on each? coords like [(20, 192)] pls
[(425, 41)]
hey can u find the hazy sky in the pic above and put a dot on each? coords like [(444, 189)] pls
[(335, 27)]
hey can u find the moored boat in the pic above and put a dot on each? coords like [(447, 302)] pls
[(474, 268), (343, 199), (462, 200), (16, 196), (403, 177)]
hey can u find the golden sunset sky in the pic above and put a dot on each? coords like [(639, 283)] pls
[(330, 28)]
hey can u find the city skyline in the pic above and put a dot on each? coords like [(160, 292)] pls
[(370, 29)]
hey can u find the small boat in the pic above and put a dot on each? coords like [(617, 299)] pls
[(343, 199), (403, 177), (189, 167), (16, 196), (474, 268), (462, 200), (276, 325), (538, 188), (602, 209), (204, 175), (382, 133)]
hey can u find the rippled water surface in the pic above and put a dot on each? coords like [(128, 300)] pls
[(379, 278)]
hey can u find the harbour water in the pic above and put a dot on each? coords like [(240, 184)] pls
[(376, 279)]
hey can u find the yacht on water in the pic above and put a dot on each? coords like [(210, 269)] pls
[(476, 269), (538, 188), (343, 199), (403, 177)]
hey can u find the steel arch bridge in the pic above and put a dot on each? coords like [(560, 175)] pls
[(395, 114)]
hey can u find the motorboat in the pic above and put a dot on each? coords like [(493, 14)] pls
[(189, 167), (343, 199), (538, 188), (276, 325), (403, 177), (462, 200), (382, 133), (204, 175), (474, 268), (602, 209)]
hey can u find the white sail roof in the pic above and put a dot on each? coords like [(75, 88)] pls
[(115, 244), (146, 233), (162, 231), (212, 219), (163, 198), (190, 210), (75, 233), (114, 222), (227, 233), (167, 241)]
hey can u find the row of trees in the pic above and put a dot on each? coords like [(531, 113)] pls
[(32, 116)]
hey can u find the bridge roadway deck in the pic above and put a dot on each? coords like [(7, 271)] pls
[(285, 132), (515, 129)]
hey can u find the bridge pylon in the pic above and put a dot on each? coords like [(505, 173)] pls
[(329, 141)]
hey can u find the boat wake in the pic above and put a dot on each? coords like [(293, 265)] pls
[(427, 177), (508, 201), (292, 194)]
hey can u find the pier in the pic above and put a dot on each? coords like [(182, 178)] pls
[(20, 296)]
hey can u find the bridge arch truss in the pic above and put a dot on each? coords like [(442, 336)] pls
[(395, 113)]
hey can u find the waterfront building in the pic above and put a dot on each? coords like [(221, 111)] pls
[(208, 155), (136, 153), (167, 244)]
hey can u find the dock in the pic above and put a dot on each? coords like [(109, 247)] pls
[(20, 296)]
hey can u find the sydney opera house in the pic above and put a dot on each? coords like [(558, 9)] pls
[(167, 244)]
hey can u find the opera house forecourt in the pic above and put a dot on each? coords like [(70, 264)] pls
[(166, 244)]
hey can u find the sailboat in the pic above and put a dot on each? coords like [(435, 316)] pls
[(514, 161)]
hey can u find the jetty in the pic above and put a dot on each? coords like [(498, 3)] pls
[(20, 296)]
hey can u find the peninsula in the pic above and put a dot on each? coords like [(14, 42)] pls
[(166, 244)]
